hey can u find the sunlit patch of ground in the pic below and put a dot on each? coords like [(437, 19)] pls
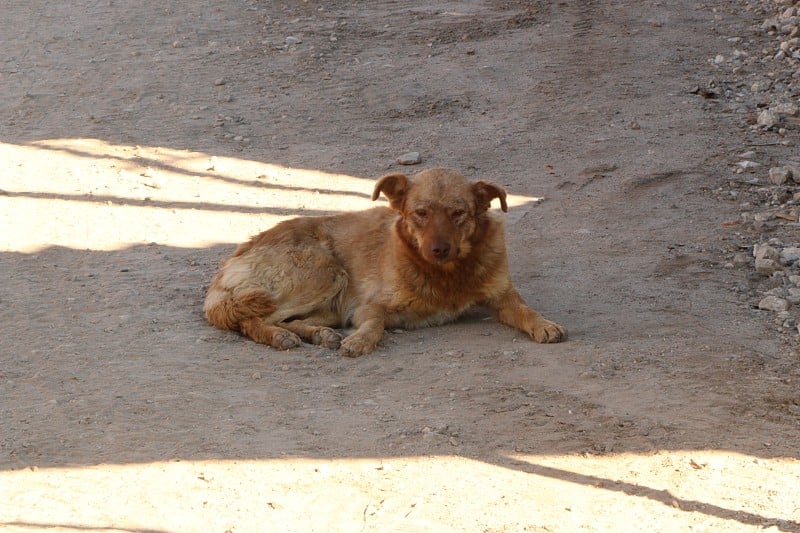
[(698, 491), (88, 194)]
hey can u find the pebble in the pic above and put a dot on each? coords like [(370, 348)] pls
[(785, 108), (793, 295), (794, 172), (773, 303), (767, 267), (768, 119), (293, 40), (765, 251), (790, 255), (778, 292), (779, 175), (741, 259), (409, 158)]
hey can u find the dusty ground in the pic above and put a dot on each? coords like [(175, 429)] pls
[(140, 141)]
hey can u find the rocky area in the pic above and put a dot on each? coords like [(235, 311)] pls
[(757, 80)]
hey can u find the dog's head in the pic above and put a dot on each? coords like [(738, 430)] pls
[(442, 213)]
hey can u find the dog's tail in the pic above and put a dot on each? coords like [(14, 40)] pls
[(227, 311)]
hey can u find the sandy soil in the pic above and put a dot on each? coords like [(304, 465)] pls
[(141, 141)]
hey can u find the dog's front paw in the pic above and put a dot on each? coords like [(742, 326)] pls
[(547, 331), (356, 345)]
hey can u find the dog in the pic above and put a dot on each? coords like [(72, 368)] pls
[(436, 251)]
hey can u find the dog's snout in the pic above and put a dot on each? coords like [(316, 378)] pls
[(441, 250)]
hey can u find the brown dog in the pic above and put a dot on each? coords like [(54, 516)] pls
[(436, 252)]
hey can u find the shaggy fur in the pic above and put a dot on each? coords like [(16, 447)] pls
[(423, 261)]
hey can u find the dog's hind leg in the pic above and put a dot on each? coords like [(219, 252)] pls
[(310, 332), (265, 332)]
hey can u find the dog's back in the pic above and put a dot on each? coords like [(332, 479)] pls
[(307, 259)]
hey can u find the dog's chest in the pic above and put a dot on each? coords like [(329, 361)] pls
[(425, 302)]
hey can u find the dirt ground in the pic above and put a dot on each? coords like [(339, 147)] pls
[(141, 141)]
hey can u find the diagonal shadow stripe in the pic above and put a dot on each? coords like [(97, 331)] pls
[(161, 204), (662, 496)]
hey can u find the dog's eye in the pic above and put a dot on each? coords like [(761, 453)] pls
[(421, 213), (458, 214)]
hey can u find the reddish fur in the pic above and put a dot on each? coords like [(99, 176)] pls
[(231, 312), (435, 253)]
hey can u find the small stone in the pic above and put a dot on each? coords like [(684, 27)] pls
[(780, 292), (789, 255), (793, 295), (773, 303), (768, 119), (765, 251), (794, 172), (293, 40), (410, 158), (779, 175), (750, 154), (767, 267), (220, 81), (748, 164), (785, 108), (741, 259), (256, 375), (794, 280)]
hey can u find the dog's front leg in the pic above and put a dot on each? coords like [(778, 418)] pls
[(510, 309), (369, 323)]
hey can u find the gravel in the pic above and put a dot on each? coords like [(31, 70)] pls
[(773, 303), (779, 175), (761, 73)]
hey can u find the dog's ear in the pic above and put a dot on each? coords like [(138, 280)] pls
[(394, 187), (485, 192)]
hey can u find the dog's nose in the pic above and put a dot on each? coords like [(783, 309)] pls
[(441, 250)]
